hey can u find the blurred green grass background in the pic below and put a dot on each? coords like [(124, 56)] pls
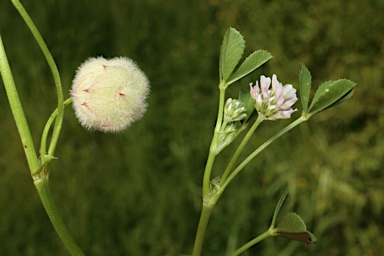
[(138, 192)]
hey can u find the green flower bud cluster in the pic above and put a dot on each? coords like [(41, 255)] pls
[(226, 136), (234, 110)]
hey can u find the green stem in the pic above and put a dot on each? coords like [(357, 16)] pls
[(17, 110), (245, 140), (207, 208), (260, 149), (55, 72), (214, 143), (42, 186), (204, 218), (252, 242), (43, 143), (38, 173)]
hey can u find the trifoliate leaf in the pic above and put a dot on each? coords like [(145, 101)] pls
[(252, 62), (305, 81), (292, 227), (329, 93), (231, 52)]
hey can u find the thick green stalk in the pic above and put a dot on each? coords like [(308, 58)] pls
[(55, 73), (207, 208), (39, 173), (204, 218), (214, 143), (42, 186), (17, 110)]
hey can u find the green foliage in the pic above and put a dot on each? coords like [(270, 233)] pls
[(278, 208), (245, 97), (291, 222), (252, 62), (292, 227), (331, 93), (136, 193), (231, 51), (305, 80)]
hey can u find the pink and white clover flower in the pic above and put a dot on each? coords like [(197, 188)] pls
[(273, 102)]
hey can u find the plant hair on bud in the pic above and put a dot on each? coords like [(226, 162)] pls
[(109, 95)]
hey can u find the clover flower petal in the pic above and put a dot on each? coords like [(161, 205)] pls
[(273, 100)]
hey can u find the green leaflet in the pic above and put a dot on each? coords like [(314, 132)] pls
[(331, 93), (252, 62), (231, 52), (305, 81)]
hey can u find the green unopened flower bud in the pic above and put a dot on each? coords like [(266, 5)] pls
[(109, 95), (226, 137), (234, 110)]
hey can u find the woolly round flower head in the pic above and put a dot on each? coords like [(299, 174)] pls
[(109, 95), (276, 102)]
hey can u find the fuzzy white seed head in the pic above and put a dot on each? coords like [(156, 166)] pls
[(109, 95)]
